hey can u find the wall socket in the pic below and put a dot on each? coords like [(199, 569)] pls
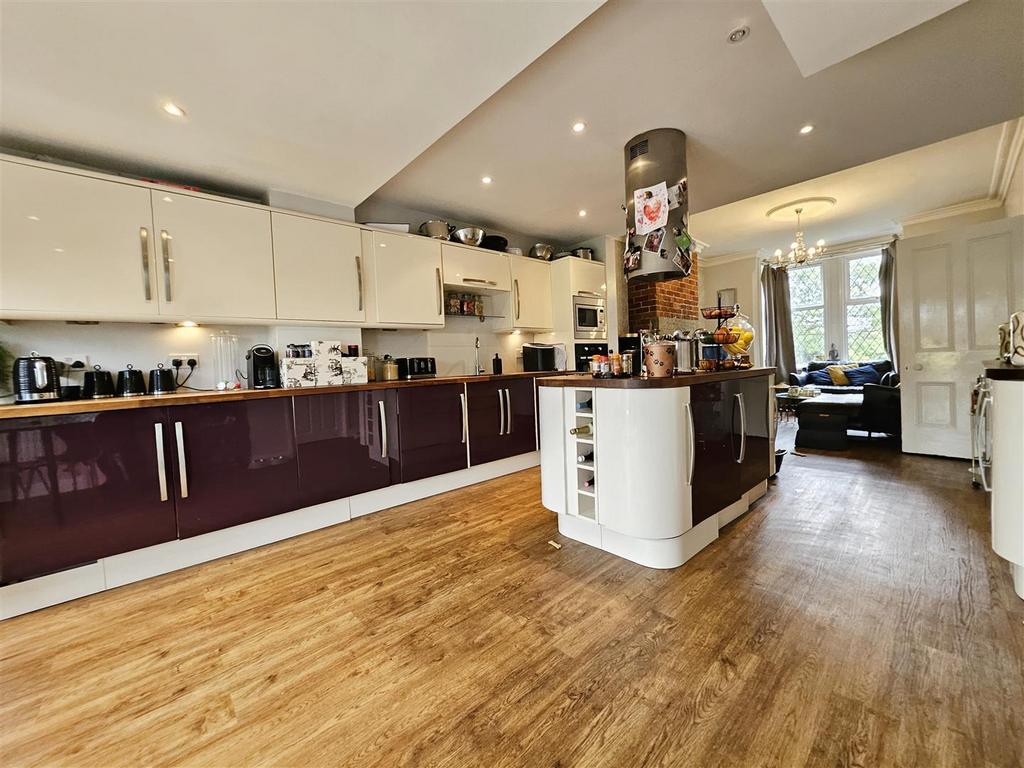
[(184, 357), (77, 357)]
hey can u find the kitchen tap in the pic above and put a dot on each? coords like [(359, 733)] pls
[(478, 370)]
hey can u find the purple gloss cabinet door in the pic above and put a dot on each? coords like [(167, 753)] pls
[(715, 472), (234, 462), (501, 419), (79, 487), (342, 441), (430, 426)]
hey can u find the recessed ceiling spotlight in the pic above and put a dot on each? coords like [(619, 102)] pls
[(33, 217), (173, 109), (806, 129), (739, 34), (579, 127), (582, 212), (486, 179), (187, 324)]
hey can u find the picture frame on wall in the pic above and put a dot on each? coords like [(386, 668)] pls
[(726, 297)]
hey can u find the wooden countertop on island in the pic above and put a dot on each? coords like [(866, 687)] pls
[(189, 397), (679, 380), (1003, 371)]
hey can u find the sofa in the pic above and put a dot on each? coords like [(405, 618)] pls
[(824, 420), (888, 377)]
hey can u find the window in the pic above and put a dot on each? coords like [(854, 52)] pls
[(836, 303)]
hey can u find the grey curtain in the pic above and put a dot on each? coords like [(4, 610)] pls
[(887, 298), (778, 323)]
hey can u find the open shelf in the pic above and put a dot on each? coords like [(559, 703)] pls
[(583, 492), (585, 440), (585, 465)]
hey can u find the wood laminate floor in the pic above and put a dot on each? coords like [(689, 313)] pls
[(855, 616)]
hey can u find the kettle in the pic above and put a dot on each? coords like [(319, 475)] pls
[(35, 379)]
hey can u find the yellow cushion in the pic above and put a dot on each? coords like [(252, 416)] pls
[(835, 373)]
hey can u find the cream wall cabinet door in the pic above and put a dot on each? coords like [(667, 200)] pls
[(216, 258), (587, 278), (318, 270), (531, 294), (475, 268), (407, 280), (74, 245)]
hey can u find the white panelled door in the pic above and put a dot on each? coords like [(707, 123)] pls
[(954, 288)]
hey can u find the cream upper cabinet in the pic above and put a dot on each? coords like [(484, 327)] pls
[(215, 258), (407, 280), (475, 268), (587, 278), (74, 245), (531, 294), (318, 270)]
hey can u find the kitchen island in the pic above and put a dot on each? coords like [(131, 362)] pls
[(651, 469)]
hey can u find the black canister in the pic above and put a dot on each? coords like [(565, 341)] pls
[(161, 380), (98, 384), (130, 382)]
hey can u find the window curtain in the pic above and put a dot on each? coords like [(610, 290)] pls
[(778, 323), (887, 300)]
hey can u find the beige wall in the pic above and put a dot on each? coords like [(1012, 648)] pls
[(741, 274)]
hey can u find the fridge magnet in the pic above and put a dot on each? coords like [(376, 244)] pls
[(677, 195), (683, 239), (652, 243), (650, 205), (683, 262), (631, 260)]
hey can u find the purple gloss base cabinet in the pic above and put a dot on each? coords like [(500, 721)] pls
[(77, 488)]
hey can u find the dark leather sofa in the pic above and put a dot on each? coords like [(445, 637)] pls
[(889, 377)]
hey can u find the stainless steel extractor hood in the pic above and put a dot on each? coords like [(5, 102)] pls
[(653, 157)]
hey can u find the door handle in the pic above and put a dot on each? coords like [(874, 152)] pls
[(465, 423), (983, 430), (165, 247), (515, 287), (743, 428), (383, 430), (693, 443), (179, 435), (161, 467), (147, 288), (501, 411), (359, 280), (478, 281), (508, 412), (440, 291)]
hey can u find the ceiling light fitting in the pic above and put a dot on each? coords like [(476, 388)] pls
[(799, 253), (806, 129), (579, 127), (582, 212), (486, 179), (739, 34), (173, 109)]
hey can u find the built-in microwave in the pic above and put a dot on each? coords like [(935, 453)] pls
[(588, 317)]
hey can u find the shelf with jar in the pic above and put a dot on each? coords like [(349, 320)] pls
[(459, 304)]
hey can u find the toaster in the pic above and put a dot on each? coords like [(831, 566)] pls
[(416, 368)]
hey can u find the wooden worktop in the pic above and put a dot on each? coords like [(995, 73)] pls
[(680, 380), (189, 397), (1003, 371)]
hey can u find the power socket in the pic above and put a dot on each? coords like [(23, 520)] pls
[(184, 357), (77, 357)]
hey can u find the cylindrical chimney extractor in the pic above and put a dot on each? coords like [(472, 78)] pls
[(653, 157)]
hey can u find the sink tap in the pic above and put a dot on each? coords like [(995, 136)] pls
[(477, 370)]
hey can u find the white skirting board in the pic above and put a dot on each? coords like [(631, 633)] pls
[(658, 553), (1018, 579), (129, 567)]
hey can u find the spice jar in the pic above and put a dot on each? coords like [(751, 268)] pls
[(615, 360), (389, 369)]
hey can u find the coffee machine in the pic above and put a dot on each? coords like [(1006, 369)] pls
[(261, 361)]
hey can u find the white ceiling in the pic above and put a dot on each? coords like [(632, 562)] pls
[(871, 199), (825, 32), (322, 99), (636, 65)]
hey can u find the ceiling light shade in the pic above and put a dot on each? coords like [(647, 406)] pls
[(579, 127), (820, 243), (486, 179), (173, 109), (806, 129)]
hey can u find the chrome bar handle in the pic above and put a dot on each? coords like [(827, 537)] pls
[(478, 280), (501, 411), (515, 287), (359, 280), (743, 427), (693, 443), (465, 417), (440, 295), (383, 430), (982, 416), (179, 436), (161, 467), (508, 412), (147, 287), (165, 246)]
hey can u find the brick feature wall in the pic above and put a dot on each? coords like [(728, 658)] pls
[(666, 305)]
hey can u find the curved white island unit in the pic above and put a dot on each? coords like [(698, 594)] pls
[(666, 464)]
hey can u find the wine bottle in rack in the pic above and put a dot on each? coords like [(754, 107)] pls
[(584, 406), (581, 457), (588, 483), (580, 431)]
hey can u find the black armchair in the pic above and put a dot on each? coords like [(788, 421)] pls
[(881, 410)]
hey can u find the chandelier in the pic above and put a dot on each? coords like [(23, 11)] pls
[(799, 253)]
